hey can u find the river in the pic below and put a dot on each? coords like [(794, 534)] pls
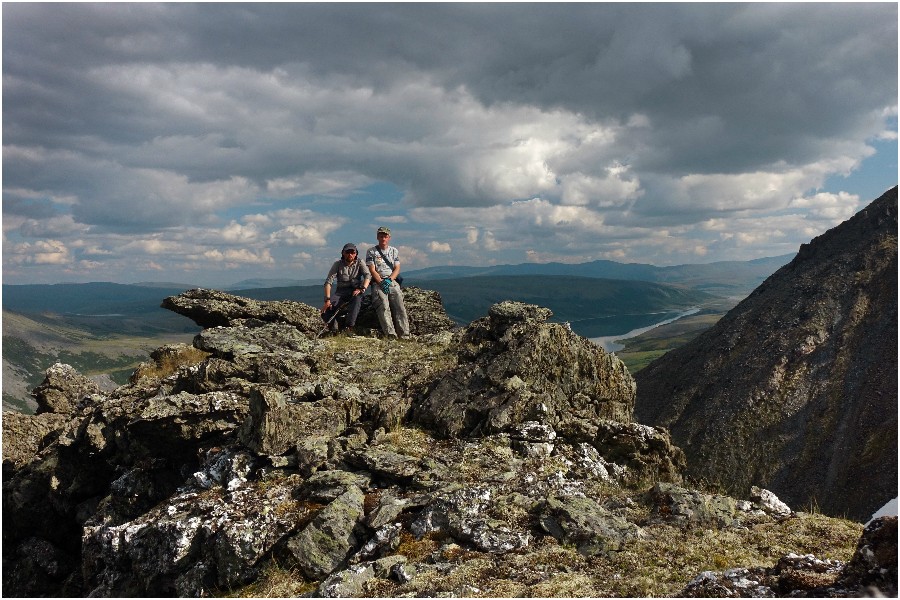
[(610, 342)]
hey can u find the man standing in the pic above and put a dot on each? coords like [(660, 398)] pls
[(350, 279), (383, 261)]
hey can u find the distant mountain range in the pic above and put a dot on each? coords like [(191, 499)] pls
[(719, 278), (723, 277), (575, 292)]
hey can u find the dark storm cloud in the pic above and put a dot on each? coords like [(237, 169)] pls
[(544, 124), (711, 76)]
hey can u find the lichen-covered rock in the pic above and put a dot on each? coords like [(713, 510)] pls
[(464, 513), (231, 342), (874, 564), (647, 453), (590, 527), (62, 390), (515, 368), (327, 486), (180, 419), (25, 435), (769, 502), (195, 541), (347, 583), (674, 504), (326, 542), (386, 464), (212, 308), (276, 426)]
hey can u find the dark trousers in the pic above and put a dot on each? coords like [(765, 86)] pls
[(353, 305)]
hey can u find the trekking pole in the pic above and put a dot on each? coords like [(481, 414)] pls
[(337, 310)]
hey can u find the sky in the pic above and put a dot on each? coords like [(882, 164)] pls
[(206, 144)]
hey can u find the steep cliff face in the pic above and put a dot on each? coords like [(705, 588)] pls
[(795, 389)]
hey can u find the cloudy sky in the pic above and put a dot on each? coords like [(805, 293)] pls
[(208, 143)]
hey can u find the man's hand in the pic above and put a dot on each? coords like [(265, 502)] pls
[(326, 306), (386, 285)]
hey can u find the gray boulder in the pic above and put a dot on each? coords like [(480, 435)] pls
[(465, 514), (192, 543), (276, 424), (590, 527), (212, 308), (327, 541), (674, 504), (647, 453)]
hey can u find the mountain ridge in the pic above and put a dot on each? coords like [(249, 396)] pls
[(501, 459), (801, 376)]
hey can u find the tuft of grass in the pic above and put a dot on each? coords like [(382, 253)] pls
[(275, 581), (416, 550), (411, 441), (169, 364)]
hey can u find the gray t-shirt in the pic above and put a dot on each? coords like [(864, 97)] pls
[(373, 257)]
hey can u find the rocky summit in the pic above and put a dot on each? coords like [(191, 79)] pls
[(499, 459), (795, 389)]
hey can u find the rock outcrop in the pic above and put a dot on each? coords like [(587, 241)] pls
[(795, 389), (514, 367), (212, 308), (62, 390), (331, 460)]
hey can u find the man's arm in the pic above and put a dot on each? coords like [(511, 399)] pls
[(365, 275), (328, 278), (374, 273)]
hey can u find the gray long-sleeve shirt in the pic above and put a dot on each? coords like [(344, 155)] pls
[(347, 277)]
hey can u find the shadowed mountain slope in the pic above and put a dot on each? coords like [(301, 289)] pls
[(795, 389)]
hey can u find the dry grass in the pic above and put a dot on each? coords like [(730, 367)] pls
[(169, 364), (659, 565), (274, 582), (663, 562), (410, 441)]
